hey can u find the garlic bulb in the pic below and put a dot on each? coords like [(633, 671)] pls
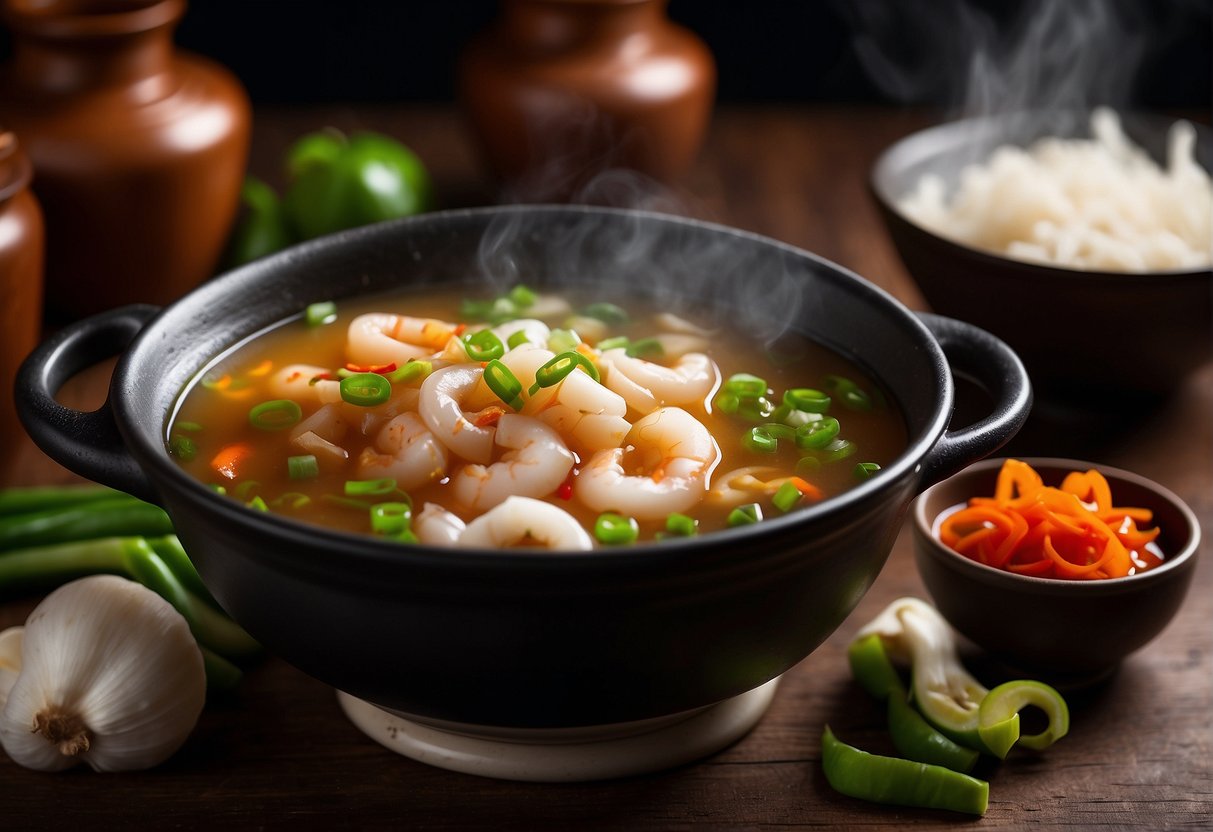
[(107, 673)]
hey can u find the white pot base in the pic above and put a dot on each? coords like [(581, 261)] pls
[(565, 755)]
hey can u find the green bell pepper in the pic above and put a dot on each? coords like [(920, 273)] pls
[(340, 182), (261, 227)]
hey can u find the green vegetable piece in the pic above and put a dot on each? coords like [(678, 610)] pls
[(849, 393), (865, 470), (726, 402), (998, 716), (645, 348), (319, 314), (261, 227), (221, 675), (786, 497), (755, 409), (391, 518), (339, 183), (563, 340), (182, 447), (275, 414), (558, 368), (915, 738), (114, 517), (608, 313), (898, 782), (759, 441), (681, 525), (744, 515), (615, 529), (517, 339), (504, 384), (365, 389), (26, 499), (302, 467), (871, 667), (258, 504), (745, 386), (522, 297), (483, 345), (369, 488), (618, 342), (816, 435), (807, 400), (413, 370)]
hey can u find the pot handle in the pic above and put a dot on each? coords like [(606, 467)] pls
[(87, 443), (981, 357)]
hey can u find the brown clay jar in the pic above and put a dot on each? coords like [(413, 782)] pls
[(559, 91), (139, 149), (21, 260)]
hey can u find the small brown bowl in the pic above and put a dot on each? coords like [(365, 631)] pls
[(1067, 631), (1091, 340)]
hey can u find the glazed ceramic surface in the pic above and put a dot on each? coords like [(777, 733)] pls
[(1088, 338), (522, 638), (138, 149), (1063, 629)]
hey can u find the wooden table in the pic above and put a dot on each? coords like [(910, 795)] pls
[(280, 753)]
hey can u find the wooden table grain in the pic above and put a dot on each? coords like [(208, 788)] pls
[(279, 753)]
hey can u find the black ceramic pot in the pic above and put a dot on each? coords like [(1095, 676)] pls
[(516, 638)]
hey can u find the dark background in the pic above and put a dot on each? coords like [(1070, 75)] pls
[(1150, 53)]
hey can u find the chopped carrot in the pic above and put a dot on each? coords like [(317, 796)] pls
[(1073, 532), (230, 458), (807, 488)]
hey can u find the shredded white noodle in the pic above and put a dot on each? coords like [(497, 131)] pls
[(1098, 203)]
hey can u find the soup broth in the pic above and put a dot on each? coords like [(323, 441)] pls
[(413, 416)]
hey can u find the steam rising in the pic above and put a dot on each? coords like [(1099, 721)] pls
[(1055, 55)]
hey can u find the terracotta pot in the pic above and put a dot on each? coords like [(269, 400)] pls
[(139, 149), (560, 91), (21, 253)]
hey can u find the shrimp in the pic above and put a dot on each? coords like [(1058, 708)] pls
[(440, 407), (590, 415), (435, 526), (645, 384), (537, 332), (294, 382), (677, 454), (379, 338), (520, 519), (408, 453), (536, 464)]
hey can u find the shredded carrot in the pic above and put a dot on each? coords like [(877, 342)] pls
[(1073, 531), (230, 458), (807, 488)]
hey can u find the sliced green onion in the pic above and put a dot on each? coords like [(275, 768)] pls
[(806, 399), (745, 515), (391, 518), (366, 389), (814, 436), (188, 427), (780, 431), (412, 370), (504, 384), (645, 348), (757, 409), (807, 465), (319, 314), (618, 342), (849, 393), (303, 467), (217, 488), (615, 529), (275, 414), (292, 499), (517, 339), (483, 345), (475, 310), (681, 525), (607, 313), (406, 536), (346, 502), (759, 441), (257, 504), (557, 370), (182, 447), (865, 470), (786, 497), (745, 386), (726, 402), (246, 489), (522, 296), (370, 488), (836, 450), (563, 340)]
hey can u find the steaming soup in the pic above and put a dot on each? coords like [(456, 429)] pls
[(528, 420)]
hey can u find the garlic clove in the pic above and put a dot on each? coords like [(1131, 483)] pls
[(110, 675), (10, 660)]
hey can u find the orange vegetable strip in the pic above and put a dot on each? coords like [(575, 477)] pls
[(1016, 478), (227, 462), (807, 488), (1090, 487), (1038, 568), (1019, 529)]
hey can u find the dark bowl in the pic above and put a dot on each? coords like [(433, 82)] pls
[(1067, 631), (1088, 338), (521, 638)]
